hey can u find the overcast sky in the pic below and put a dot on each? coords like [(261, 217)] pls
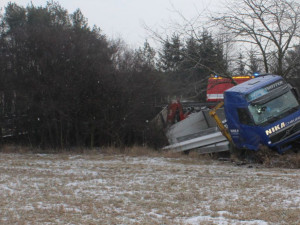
[(126, 18)]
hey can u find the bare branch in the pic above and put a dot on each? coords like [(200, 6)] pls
[(273, 26)]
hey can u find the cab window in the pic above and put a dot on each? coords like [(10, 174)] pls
[(244, 116)]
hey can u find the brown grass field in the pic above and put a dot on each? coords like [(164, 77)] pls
[(140, 187)]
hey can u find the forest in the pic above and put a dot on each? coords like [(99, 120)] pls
[(65, 84)]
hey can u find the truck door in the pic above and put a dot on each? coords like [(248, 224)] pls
[(248, 135)]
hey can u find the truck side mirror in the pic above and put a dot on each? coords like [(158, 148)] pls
[(295, 91)]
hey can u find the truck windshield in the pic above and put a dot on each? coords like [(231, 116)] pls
[(274, 109)]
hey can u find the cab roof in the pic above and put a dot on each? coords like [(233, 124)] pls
[(254, 84)]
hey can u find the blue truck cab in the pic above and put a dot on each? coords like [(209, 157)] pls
[(263, 111)]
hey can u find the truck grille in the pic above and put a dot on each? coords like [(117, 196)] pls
[(285, 133)]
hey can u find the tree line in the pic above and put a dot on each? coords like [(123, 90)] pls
[(64, 84)]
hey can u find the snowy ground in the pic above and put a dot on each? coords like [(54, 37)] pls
[(106, 189)]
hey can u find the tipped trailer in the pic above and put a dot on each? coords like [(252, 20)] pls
[(263, 111), (198, 131)]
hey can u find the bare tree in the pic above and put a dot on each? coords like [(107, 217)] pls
[(270, 25), (254, 63)]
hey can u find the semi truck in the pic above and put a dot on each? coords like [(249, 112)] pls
[(263, 111)]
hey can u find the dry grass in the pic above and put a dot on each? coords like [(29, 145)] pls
[(270, 158), (141, 188), (132, 151), (290, 160), (266, 157)]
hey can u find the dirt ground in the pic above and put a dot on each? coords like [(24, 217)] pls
[(120, 189)]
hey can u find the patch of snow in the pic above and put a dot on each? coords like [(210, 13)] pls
[(222, 221)]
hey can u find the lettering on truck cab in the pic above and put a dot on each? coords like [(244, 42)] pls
[(275, 128)]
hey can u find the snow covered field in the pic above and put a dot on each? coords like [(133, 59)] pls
[(107, 189)]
